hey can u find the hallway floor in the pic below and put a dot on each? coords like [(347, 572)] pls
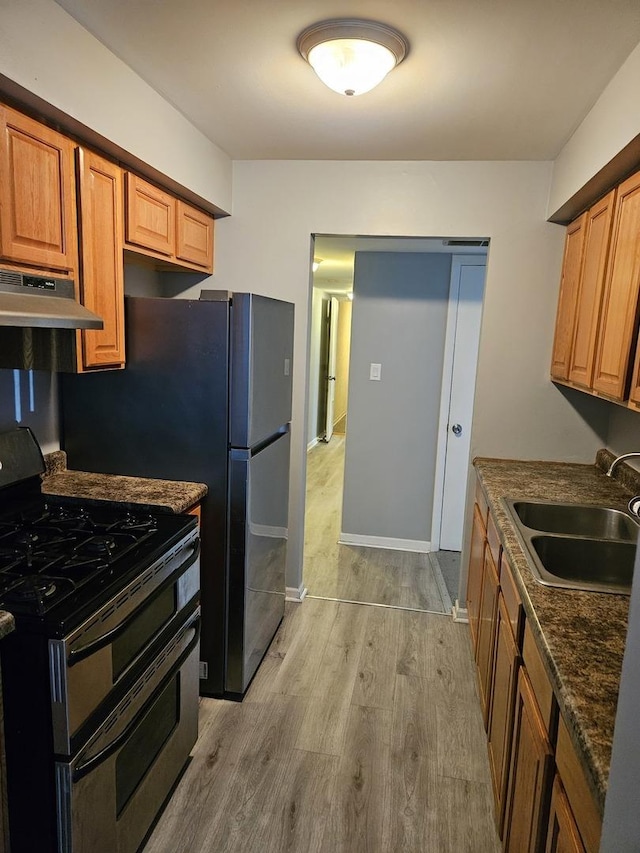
[(356, 573), (361, 733), (362, 730)]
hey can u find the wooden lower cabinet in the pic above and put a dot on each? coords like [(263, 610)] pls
[(500, 726), (530, 776), (474, 576), (486, 632), (562, 834)]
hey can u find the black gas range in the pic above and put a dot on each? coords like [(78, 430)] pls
[(100, 677), (58, 556)]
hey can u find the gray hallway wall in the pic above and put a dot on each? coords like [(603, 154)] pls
[(399, 320)]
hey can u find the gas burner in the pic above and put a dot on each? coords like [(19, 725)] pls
[(61, 514), (28, 538), (104, 545), (33, 588), (133, 523)]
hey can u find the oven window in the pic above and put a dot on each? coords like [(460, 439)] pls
[(142, 629), (140, 751)]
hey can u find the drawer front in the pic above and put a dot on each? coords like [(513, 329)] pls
[(493, 540), (540, 684), (512, 600)]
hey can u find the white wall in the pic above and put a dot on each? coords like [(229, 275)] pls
[(265, 247), (612, 123), (44, 50)]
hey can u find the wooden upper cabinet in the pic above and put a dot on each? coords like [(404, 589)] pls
[(569, 281), (151, 217), (590, 289), (194, 236), (38, 212), (166, 228), (102, 268), (620, 300)]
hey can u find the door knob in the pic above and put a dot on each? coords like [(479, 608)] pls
[(456, 429)]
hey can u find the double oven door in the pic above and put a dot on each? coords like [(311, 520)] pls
[(103, 720), (110, 792)]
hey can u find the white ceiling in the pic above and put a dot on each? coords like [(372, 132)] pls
[(484, 79)]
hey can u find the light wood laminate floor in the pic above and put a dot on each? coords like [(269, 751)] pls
[(361, 733), (356, 573)]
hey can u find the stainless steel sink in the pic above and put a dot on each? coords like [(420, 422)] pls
[(603, 564), (596, 522), (576, 546)]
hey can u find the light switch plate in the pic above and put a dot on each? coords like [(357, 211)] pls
[(375, 371)]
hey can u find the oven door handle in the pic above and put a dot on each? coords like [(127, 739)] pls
[(76, 655), (87, 767)]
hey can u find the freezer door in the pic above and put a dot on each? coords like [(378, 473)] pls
[(258, 532), (261, 367)]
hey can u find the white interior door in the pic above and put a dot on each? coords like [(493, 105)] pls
[(463, 337), (332, 321)]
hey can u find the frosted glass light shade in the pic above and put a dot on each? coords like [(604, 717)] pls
[(351, 66), (352, 56)]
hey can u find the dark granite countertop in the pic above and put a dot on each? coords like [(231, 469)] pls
[(581, 635), (173, 495)]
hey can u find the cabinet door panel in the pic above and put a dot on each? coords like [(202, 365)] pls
[(474, 577), (100, 185), (150, 221), (589, 296), (503, 695), (194, 234), (620, 300), (529, 783), (486, 632), (563, 835), (565, 317), (38, 214)]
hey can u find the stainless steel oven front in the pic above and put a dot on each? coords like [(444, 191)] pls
[(109, 793), (102, 653)]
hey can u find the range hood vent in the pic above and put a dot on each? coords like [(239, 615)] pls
[(42, 302)]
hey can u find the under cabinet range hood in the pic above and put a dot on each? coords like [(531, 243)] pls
[(39, 316), (42, 302)]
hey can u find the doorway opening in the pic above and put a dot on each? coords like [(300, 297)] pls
[(365, 537)]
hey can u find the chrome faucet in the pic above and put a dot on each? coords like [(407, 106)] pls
[(615, 462)]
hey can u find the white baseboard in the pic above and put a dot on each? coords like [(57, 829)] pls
[(460, 614), (385, 542), (312, 444), (296, 593)]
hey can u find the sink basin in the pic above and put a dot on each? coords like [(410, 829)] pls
[(576, 546), (596, 522), (585, 563)]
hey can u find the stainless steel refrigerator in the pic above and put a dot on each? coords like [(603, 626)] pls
[(206, 397)]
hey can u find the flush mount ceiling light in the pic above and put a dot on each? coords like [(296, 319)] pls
[(352, 56)]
